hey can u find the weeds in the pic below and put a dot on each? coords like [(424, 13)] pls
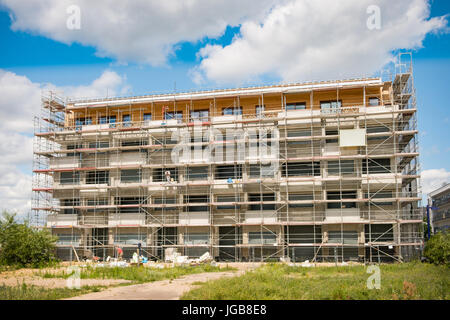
[(278, 281), (135, 274), (25, 292)]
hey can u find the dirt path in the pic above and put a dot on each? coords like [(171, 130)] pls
[(161, 290), (158, 290)]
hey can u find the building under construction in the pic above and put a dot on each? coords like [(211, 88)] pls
[(320, 171)]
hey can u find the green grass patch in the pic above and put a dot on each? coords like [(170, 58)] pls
[(7, 268), (136, 274), (24, 292), (281, 282), (53, 265)]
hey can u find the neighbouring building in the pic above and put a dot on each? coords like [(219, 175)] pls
[(319, 171), (440, 217)]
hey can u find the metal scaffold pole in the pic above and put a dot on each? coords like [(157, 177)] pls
[(104, 175)]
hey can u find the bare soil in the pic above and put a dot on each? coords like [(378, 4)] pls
[(29, 277), (165, 289)]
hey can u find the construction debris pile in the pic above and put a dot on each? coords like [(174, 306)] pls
[(172, 258), (172, 255)]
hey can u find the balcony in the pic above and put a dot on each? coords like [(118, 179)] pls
[(128, 158), (160, 126), (62, 220), (93, 129), (226, 184), (68, 240), (194, 218), (90, 191), (64, 162), (375, 213), (371, 112), (304, 115), (196, 156), (303, 216), (265, 216), (223, 217), (342, 215), (94, 219), (331, 149), (160, 218), (226, 121), (378, 180), (301, 183), (126, 219)]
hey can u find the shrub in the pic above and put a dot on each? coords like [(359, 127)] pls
[(24, 246), (437, 249)]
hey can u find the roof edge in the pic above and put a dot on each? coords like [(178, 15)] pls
[(439, 190), (294, 87)]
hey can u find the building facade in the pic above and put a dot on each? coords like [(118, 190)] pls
[(440, 216), (323, 171)]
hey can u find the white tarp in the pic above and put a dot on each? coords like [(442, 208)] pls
[(352, 137)]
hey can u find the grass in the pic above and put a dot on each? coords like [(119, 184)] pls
[(413, 280), (136, 274), (24, 292), (52, 264), (4, 268)]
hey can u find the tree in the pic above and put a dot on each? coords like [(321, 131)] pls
[(437, 249), (24, 246)]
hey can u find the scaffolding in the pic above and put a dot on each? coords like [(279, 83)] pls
[(263, 175)]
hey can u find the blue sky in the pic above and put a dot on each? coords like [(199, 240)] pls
[(37, 54), (45, 60), (432, 79)]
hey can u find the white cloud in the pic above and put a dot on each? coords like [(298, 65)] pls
[(15, 190), (135, 30), (294, 40), (20, 100), (109, 84), (328, 39), (433, 179)]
